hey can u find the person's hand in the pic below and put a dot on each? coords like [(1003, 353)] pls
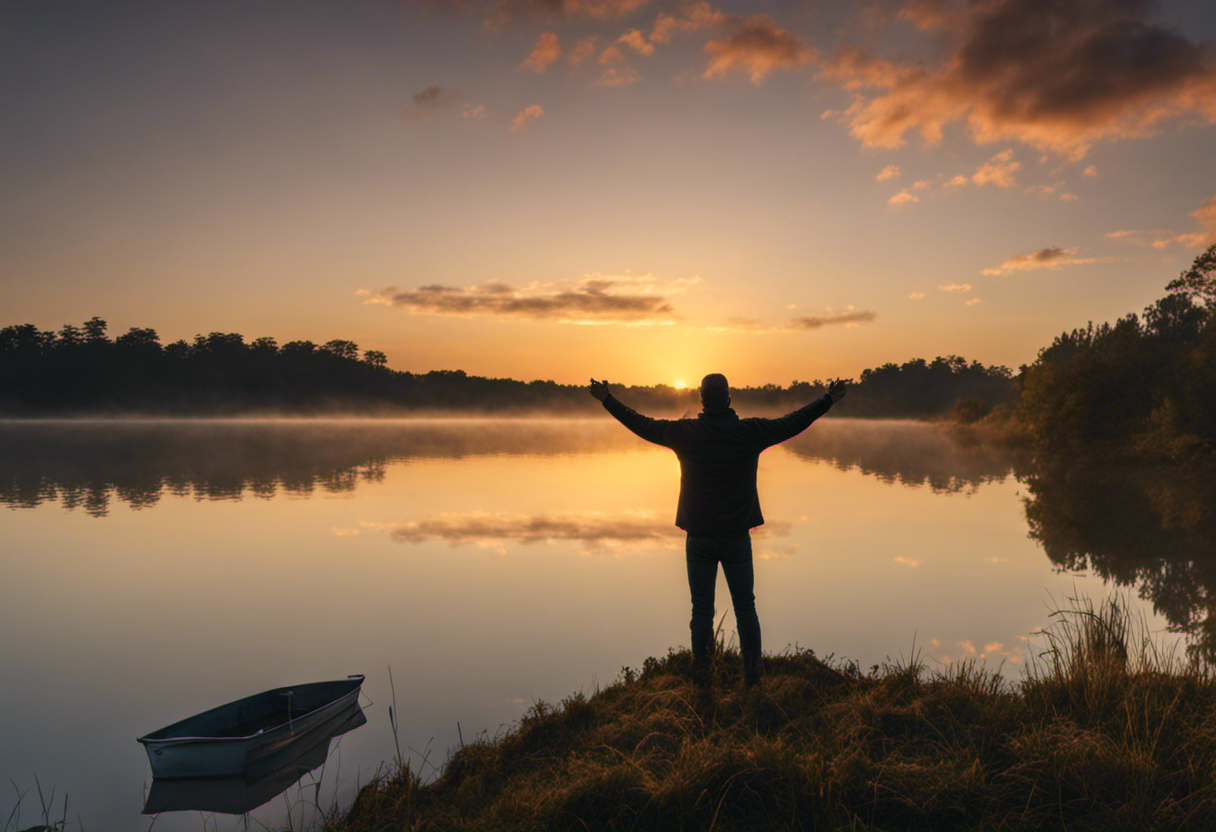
[(599, 389), (836, 390)]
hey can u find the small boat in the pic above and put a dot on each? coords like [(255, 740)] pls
[(237, 795), (254, 736)]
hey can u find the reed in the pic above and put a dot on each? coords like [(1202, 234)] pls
[(1104, 731)]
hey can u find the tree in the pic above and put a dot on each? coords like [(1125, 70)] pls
[(95, 329), (342, 349), (1199, 281), (375, 358)]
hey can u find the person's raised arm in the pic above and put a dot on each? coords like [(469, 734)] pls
[(836, 390), (658, 431), (792, 424)]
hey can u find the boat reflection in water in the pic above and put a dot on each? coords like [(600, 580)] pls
[(238, 756)]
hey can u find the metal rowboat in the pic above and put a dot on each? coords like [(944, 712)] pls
[(254, 736)]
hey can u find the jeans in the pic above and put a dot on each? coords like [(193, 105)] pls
[(703, 555)]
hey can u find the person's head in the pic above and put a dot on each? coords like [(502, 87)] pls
[(715, 392)]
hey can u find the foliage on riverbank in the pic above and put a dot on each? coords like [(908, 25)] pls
[(81, 370), (1103, 733), (1142, 387)]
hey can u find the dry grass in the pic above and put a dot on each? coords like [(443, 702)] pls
[(1104, 732)]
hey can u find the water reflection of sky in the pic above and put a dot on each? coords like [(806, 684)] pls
[(490, 564)]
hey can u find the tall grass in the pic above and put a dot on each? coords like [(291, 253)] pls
[(1105, 731)]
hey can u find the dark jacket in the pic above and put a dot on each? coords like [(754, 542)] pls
[(718, 453)]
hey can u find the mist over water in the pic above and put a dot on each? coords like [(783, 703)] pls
[(173, 566), (89, 464)]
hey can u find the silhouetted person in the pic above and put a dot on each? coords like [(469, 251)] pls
[(719, 504)]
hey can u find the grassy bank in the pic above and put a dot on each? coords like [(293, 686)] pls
[(1102, 733)]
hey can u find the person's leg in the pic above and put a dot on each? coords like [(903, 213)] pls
[(702, 560), (740, 578)]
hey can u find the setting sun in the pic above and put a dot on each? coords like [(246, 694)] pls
[(681, 384)]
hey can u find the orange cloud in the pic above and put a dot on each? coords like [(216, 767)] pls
[(594, 299), (1056, 75), (954, 287), (889, 172), (546, 51), (636, 41), (757, 46), (618, 77), (1045, 258), (612, 54), (583, 49), (699, 15), (1160, 239), (526, 115), (997, 171), (1206, 214), (902, 198)]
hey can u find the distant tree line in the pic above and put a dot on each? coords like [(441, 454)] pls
[(1142, 386), (80, 369)]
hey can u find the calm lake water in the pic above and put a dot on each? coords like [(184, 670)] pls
[(154, 569)]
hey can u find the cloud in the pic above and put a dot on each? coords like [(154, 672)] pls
[(973, 302), (612, 54), (926, 14), (910, 562), (526, 115), (500, 13), (1091, 171), (956, 181), (1056, 74), (595, 532), (618, 77), (903, 197), (954, 287), (583, 49), (594, 299), (889, 172), (997, 171), (1045, 258), (805, 322), (1205, 214), (757, 46), (820, 321), (547, 50), (636, 41), (430, 101), (693, 17), (917, 296)]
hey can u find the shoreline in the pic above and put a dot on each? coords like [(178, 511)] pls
[(1103, 732)]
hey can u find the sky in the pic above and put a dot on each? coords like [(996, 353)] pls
[(640, 190)]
